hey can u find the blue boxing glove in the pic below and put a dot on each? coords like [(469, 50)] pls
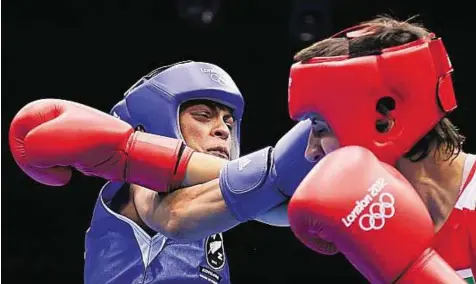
[(262, 180)]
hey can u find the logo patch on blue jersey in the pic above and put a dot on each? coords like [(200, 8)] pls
[(209, 275), (215, 251)]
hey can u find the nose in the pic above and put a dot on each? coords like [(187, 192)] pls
[(314, 151), (221, 130), (320, 143)]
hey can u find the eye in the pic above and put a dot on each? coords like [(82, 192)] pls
[(229, 122), (320, 131), (205, 114), (319, 127)]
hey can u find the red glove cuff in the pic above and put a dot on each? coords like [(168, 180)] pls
[(430, 268), (156, 162)]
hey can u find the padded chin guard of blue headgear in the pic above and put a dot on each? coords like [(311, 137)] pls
[(154, 101)]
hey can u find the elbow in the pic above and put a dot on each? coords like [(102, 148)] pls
[(172, 216), (161, 216), (172, 225), (173, 229)]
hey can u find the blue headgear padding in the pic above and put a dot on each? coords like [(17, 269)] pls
[(154, 101)]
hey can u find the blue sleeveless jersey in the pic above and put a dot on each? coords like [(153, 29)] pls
[(119, 251)]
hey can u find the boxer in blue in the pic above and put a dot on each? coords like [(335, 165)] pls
[(140, 236), (159, 218)]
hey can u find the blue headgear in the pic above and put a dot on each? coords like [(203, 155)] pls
[(154, 101)]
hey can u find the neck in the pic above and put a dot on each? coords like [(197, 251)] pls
[(437, 181)]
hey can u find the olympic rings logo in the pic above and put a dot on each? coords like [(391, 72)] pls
[(220, 79), (378, 212)]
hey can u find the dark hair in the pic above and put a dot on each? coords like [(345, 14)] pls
[(388, 32)]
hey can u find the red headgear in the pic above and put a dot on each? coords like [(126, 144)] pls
[(344, 91)]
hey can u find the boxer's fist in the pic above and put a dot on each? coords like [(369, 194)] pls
[(371, 213), (49, 137), (255, 184)]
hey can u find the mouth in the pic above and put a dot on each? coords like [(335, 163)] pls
[(220, 152)]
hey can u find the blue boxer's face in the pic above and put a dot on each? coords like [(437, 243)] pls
[(321, 141), (207, 128)]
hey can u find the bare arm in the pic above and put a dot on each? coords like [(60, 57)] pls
[(193, 213), (186, 214), (197, 173)]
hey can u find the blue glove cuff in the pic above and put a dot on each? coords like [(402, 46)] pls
[(248, 185)]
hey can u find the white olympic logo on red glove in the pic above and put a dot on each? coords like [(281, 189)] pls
[(375, 219)]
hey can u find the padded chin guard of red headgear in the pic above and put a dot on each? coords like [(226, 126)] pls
[(344, 92)]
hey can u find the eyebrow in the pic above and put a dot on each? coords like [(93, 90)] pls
[(217, 107)]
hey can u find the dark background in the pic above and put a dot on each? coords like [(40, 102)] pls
[(92, 51)]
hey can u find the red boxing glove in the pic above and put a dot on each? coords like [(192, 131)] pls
[(49, 137), (373, 216)]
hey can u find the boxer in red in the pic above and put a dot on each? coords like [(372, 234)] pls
[(395, 192)]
